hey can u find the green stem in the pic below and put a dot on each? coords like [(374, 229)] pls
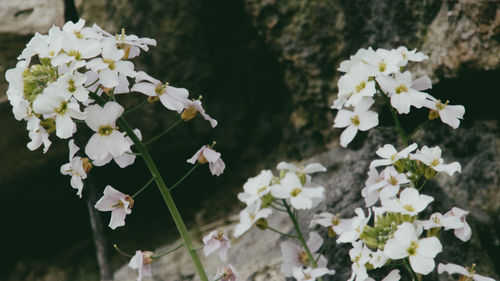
[(423, 184), (402, 135), (184, 177), (144, 187), (121, 252), (167, 197), (301, 237), (279, 232), (418, 128), (414, 276), (163, 133), (278, 209), (136, 107), (167, 252)]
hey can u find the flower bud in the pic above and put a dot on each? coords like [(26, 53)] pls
[(189, 113), (266, 200), (430, 173), (147, 257), (87, 165), (261, 223), (153, 99), (400, 166), (129, 199), (331, 232), (49, 125), (433, 114), (107, 91)]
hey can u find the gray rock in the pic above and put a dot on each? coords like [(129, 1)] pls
[(30, 16)]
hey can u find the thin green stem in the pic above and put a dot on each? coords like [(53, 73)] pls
[(279, 232), (121, 252), (402, 135), (423, 184), (414, 276), (167, 197), (185, 176), (168, 252), (418, 128), (136, 107), (301, 237), (143, 188), (92, 84), (163, 133)]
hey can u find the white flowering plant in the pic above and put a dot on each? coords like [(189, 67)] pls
[(68, 80), (393, 233)]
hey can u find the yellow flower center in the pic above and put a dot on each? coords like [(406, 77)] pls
[(296, 191), (409, 208), (355, 120), (360, 86), (382, 66), (401, 88), (105, 130), (62, 109), (110, 62), (412, 250)]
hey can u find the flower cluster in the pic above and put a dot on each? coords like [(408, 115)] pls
[(372, 74), (289, 192), (69, 78), (396, 232)]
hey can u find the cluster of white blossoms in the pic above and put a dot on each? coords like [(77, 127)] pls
[(396, 233), (69, 78), (381, 73), (289, 192)]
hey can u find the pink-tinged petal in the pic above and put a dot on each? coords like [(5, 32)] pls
[(195, 157), (211, 155), (421, 264), (217, 167), (422, 83), (105, 204), (211, 246), (348, 135), (417, 98), (96, 64), (77, 183), (386, 151), (117, 218), (343, 118), (141, 76), (464, 233), (322, 271), (145, 88), (104, 161), (108, 78), (367, 120), (116, 144), (314, 242), (478, 277), (126, 68)]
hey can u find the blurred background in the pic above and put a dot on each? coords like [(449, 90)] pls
[(267, 73)]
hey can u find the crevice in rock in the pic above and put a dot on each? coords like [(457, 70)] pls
[(70, 12)]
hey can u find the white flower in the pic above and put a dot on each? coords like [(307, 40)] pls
[(206, 154), (172, 98), (37, 134), (420, 252), (110, 65), (361, 119), (355, 85), (249, 216), (44, 46), (53, 103), (118, 203), (296, 256), (467, 272), (142, 262), (72, 85), (192, 107), (310, 274), (378, 259), (226, 273), (391, 155), (449, 114), (412, 55), (463, 233), (360, 255), (107, 140), (384, 62), (256, 187), (385, 188), (358, 223), (124, 160), (74, 168), (432, 158), (356, 59), (131, 44), (290, 187), (302, 172), (76, 51), (216, 241), (392, 276), (400, 91), (437, 220), (410, 202)]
